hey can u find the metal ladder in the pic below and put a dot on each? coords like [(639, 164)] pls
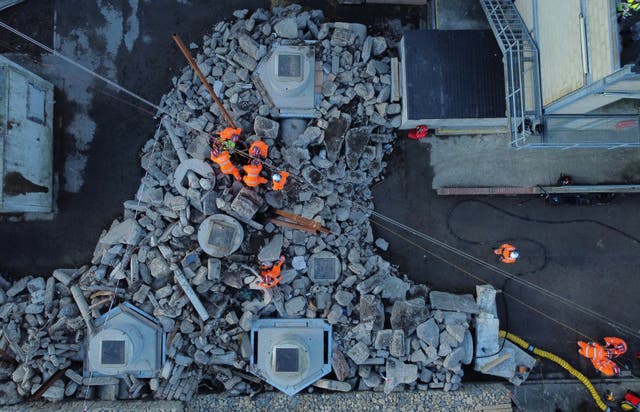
[(521, 69)]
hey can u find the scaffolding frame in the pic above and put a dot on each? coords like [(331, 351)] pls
[(521, 71)]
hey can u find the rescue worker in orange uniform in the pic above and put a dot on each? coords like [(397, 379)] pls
[(259, 149), (222, 159), (229, 137), (271, 274), (606, 366), (615, 346), (592, 350), (508, 253), (230, 133), (252, 177), (600, 356), (279, 180)]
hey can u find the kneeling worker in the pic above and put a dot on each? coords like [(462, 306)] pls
[(508, 253)]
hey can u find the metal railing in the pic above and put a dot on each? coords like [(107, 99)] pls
[(521, 70)]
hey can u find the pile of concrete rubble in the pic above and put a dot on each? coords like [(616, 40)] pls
[(388, 332)]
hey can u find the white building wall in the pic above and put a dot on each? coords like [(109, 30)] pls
[(26, 137)]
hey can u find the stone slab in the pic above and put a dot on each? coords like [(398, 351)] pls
[(452, 302)]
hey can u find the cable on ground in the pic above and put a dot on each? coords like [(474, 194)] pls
[(556, 359)]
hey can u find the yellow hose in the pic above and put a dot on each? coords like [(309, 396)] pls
[(548, 355)]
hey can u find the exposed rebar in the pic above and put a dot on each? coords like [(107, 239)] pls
[(203, 79)]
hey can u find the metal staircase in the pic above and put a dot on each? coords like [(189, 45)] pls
[(521, 70)]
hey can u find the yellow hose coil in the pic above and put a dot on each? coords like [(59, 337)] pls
[(548, 355)]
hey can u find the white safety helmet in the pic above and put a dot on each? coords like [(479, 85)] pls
[(515, 254), (276, 177)]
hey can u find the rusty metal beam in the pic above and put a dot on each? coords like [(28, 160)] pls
[(42, 389), (536, 190), (203, 79), (284, 223), (469, 191), (302, 221)]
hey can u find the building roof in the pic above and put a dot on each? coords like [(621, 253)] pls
[(577, 41), (453, 74)]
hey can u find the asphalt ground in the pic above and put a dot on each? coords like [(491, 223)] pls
[(586, 254)]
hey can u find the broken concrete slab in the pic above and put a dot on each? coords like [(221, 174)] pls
[(487, 340), (272, 250), (295, 306), (524, 363), (429, 332), (407, 315), (451, 302), (340, 366), (394, 288), (356, 141), (334, 135), (399, 373), (286, 28), (486, 299), (397, 348), (265, 128), (128, 232), (383, 339), (246, 203), (332, 385), (358, 353), (371, 310), (199, 167)]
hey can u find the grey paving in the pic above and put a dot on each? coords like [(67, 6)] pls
[(488, 161)]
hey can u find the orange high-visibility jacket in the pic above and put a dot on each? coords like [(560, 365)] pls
[(606, 366), (505, 251), (283, 179), (229, 132), (261, 147), (615, 346), (592, 350), (223, 160), (253, 178), (271, 276)]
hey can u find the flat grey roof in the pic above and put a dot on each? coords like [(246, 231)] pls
[(453, 74)]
